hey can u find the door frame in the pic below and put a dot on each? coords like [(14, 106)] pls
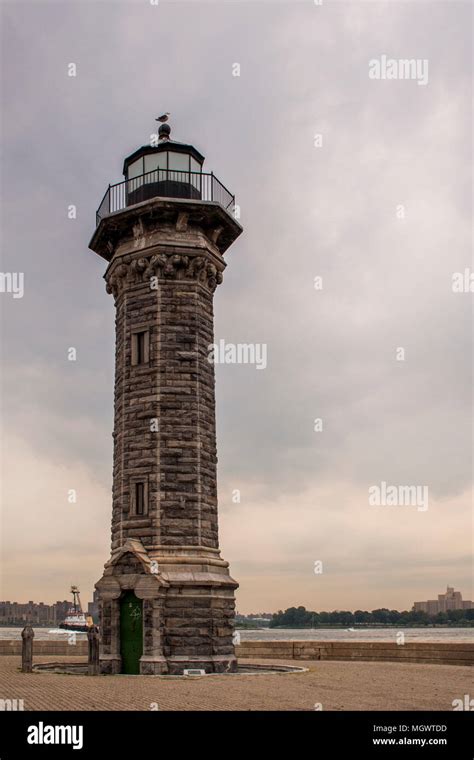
[(122, 600)]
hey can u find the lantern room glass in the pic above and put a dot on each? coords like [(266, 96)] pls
[(165, 173)]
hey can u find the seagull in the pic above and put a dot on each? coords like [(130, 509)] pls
[(163, 118)]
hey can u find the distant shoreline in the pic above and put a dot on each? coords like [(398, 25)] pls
[(356, 626)]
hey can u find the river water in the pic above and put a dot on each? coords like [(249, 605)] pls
[(303, 634), (359, 634)]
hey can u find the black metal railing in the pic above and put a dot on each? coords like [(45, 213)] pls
[(164, 183)]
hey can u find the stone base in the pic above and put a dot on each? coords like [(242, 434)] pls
[(174, 666), (188, 610), (110, 665), (153, 666), (212, 664)]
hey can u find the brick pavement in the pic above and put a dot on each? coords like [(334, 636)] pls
[(336, 685)]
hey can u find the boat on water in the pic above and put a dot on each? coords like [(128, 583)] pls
[(75, 619)]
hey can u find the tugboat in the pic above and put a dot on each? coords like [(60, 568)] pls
[(75, 619)]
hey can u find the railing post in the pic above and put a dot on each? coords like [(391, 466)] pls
[(212, 186), (27, 635)]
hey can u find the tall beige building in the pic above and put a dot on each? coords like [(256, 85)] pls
[(451, 600)]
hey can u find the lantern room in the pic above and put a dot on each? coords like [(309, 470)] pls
[(170, 169)]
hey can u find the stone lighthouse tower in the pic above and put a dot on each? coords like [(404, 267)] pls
[(166, 596)]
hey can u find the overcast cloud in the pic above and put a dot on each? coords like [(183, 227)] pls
[(330, 211)]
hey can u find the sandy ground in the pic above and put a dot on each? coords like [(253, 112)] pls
[(333, 685)]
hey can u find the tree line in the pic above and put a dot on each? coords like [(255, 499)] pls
[(300, 617)]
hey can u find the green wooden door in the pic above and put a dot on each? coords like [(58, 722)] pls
[(131, 632)]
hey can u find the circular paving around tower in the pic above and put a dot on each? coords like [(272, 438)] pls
[(80, 668)]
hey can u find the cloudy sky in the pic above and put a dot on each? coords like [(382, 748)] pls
[(378, 206)]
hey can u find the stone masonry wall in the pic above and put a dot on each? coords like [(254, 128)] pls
[(176, 388)]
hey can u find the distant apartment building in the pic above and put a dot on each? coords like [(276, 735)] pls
[(14, 613), (93, 607), (451, 600)]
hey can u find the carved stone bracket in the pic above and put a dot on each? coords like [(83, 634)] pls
[(166, 265)]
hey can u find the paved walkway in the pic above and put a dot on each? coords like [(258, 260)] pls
[(335, 685)]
